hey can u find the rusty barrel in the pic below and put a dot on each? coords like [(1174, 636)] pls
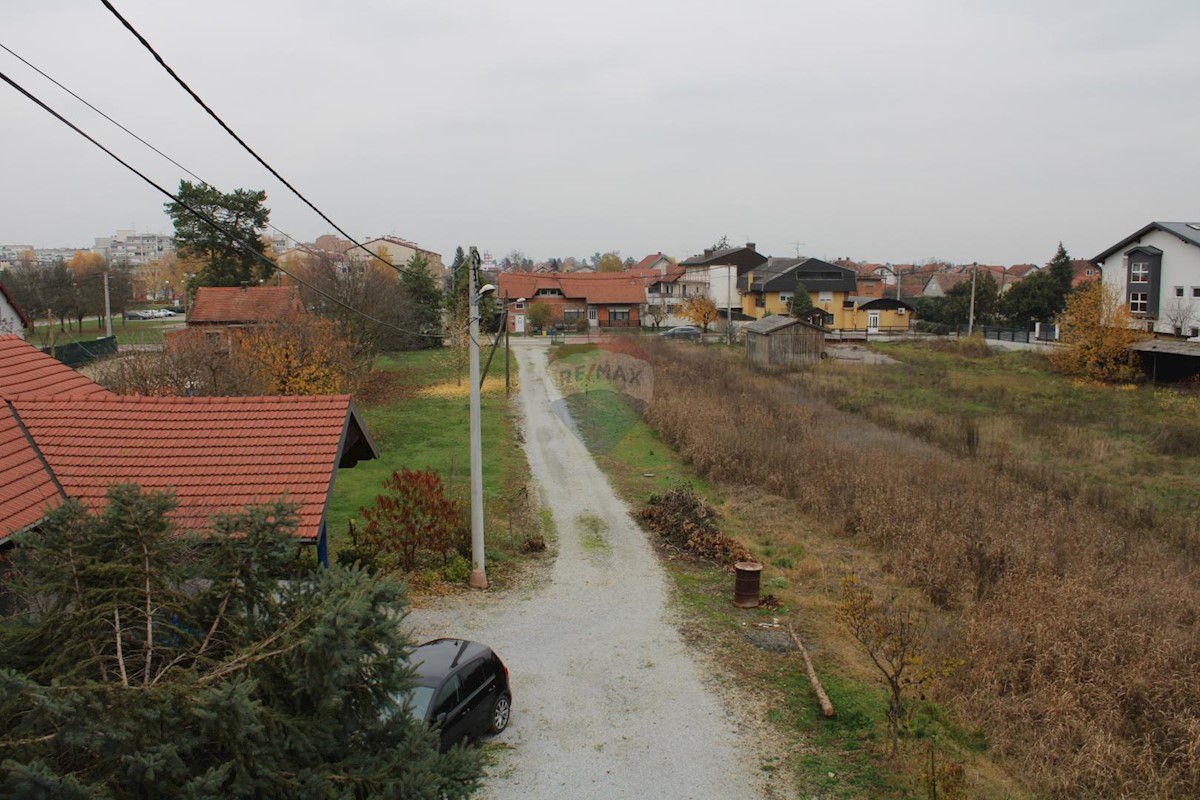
[(746, 584)]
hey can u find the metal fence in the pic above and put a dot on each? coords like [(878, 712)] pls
[(75, 353), (997, 333)]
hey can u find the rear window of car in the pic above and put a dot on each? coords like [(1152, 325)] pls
[(474, 675)]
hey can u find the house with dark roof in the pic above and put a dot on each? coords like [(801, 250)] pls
[(833, 290), (576, 300), (1156, 272), (716, 273), (63, 436)]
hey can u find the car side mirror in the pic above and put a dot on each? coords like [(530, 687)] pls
[(440, 718)]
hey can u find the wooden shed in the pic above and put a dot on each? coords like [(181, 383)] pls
[(783, 342)]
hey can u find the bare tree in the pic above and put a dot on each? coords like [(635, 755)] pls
[(1180, 314), (657, 312)]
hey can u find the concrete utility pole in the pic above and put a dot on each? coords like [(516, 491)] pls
[(107, 310), (478, 572), (971, 318)]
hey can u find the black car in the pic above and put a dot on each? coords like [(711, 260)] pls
[(462, 688), (686, 332)]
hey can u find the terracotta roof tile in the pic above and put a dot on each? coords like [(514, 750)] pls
[(26, 486), (595, 288), (217, 454), (26, 370), (222, 305)]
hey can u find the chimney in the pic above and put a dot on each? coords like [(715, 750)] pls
[(243, 286), (707, 252), (749, 245)]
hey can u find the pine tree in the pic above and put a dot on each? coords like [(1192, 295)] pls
[(235, 253), (801, 302), (142, 663), (424, 299), (1061, 268)]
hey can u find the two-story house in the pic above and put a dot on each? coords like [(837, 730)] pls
[(834, 292), (1156, 273), (716, 273)]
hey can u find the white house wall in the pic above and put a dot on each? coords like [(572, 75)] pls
[(1180, 267)]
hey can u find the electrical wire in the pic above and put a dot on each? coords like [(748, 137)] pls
[(233, 238), (142, 39), (35, 68)]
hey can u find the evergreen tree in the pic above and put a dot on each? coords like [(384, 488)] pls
[(1037, 298), (142, 663), (1062, 270), (241, 215), (424, 301), (801, 301)]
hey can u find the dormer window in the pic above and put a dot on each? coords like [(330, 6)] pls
[(549, 292)]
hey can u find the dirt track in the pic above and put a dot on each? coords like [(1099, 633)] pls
[(608, 700)]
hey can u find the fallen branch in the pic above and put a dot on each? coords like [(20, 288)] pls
[(826, 706)]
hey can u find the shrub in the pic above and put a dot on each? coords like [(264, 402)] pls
[(412, 520), (684, 519)]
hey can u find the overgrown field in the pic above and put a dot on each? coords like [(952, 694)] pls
[(1134, 450), (417, 411), (138, 331), (1074, 607)]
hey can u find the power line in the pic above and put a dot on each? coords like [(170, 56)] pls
[(234, 239), (57, 83), (129, 27)]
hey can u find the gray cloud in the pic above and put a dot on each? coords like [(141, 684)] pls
[(971, 131)]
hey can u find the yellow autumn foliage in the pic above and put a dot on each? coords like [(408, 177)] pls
[(1097, 332), (300, 355)]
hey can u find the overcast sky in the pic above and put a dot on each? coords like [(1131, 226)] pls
[(885, 131)]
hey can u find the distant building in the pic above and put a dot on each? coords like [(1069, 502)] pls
[(399, 253), (133, 248)]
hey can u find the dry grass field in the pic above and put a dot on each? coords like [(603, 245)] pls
[(1048, 526)]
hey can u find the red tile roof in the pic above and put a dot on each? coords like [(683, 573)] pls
[(647, 262), (27, 487), (599, 288), (1021, 270), (652, 275), (26, 370), (218, 454), (223, 305)]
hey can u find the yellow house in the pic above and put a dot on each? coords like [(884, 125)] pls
[(768, 289)]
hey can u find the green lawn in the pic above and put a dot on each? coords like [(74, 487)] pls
[(138, 331), (419, 416)]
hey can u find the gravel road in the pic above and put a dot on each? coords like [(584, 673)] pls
[(608, 701)]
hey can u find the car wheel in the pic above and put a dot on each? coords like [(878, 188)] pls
[(500, 713)]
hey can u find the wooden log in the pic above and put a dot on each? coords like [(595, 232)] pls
[(826, 705)]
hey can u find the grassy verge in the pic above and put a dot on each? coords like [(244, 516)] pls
[(140, 331), (843, 757), (418, 413)]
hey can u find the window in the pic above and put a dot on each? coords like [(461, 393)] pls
[(1179, 291), (474, 676), (1195, 333), (448, 697), (1138, 303), (519, 306), (618, 313), (549, 292), (1196, 291), (573, 314), (785, 297), (825, 297), (1139, 272)]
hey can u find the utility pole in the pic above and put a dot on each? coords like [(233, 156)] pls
[(728, 305), (971, 318), (507, 374), (107, 309), (478, 572)]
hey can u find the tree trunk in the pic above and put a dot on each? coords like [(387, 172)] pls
[(826, 706)]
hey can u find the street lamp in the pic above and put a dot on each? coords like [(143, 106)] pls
[(478, 569)]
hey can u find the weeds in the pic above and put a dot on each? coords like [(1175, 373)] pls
[(1075, 615)]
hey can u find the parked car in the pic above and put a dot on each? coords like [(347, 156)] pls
[(139, 314), (689, 333), (461, 688)]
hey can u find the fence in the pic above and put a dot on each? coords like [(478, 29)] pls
[(75, 353), (999, 334)]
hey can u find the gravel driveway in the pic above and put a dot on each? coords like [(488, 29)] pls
[(608, 702)]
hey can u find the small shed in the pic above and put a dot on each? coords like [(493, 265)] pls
[(783, 342)]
